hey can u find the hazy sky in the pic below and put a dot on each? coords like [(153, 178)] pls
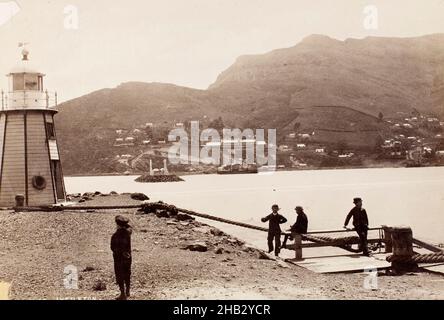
[(185, 42)]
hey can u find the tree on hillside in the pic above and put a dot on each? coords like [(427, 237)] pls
[(341, 146), (378, 144), (217, 124), (380, 116)]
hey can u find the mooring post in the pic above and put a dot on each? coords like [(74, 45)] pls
[(297, 245), (387, 239), (19, 201), (402, 245)]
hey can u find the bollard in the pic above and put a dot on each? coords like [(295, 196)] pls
[(387, 239), (19, 200), (402, 246), (297, 245)]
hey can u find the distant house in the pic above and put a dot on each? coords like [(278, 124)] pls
[(161, 142), (320, 150), (292, 135), (300, 145), (411, 138), (407, 125), (119, 140), (146, 142), (284, 148), (119, 131), (179, 125), (305, 135), (148, 125), (130, 139), (440, 153), (346, 155), (136, 131)]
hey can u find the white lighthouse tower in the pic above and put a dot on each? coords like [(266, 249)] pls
[(29, 155)]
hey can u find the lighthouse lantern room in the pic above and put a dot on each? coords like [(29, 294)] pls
[(29, 157)]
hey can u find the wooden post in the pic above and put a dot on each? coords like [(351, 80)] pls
[(402, 242), (297, 245), (387, 239), (19, 201)]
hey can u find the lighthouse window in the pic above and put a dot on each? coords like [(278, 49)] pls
[(50, 130), (18, 81), (31, 82)]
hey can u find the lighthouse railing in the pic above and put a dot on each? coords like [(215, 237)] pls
[(27, 99)]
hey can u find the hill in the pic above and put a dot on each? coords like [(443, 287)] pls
[(358, 78)]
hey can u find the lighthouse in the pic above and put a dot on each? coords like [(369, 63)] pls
[(29, 155)]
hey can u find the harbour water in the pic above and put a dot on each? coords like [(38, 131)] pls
[(392, 196)]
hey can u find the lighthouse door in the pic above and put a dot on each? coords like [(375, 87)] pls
[(58, 180)]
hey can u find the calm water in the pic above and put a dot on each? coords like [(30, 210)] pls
[(412, 197)]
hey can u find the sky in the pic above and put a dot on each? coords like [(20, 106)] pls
[(85, 45)]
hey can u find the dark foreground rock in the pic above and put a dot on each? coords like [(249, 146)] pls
[(139, 196)]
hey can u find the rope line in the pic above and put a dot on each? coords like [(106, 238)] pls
[(418, 258)]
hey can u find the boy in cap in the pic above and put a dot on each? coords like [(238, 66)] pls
[(301, 225), (274, 229), (360, 222), (121, 248)]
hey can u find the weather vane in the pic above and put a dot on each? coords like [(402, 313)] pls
[(25, 52)]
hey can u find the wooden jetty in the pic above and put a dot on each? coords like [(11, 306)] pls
[(394, 248)]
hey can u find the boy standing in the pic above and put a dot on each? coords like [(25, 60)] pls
[(274, 229)]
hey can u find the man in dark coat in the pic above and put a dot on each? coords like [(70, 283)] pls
[(274, 229), (360, 222), (121, 248), (301, 225)]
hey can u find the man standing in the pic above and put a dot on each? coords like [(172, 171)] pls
[(121, 248), (300, 227), (274, 229), (360, 222)]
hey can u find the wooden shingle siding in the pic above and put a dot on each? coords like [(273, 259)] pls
[(38, 162), (13, 175), (2, 135)]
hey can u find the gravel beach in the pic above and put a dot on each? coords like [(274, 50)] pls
[(36, 247)]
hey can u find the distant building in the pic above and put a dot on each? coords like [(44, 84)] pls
[(130, 139), (300, 145), (320, 150), (146, 142)]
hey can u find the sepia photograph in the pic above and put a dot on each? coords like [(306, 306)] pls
[(222, 150)]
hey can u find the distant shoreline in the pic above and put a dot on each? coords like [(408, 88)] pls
[(186, 173)]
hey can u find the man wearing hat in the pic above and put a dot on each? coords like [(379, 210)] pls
[(301, 225), (274, 229), (121, 248), (360, 222)]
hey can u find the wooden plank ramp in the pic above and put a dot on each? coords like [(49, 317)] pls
[(343, 263), (436, 267)]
